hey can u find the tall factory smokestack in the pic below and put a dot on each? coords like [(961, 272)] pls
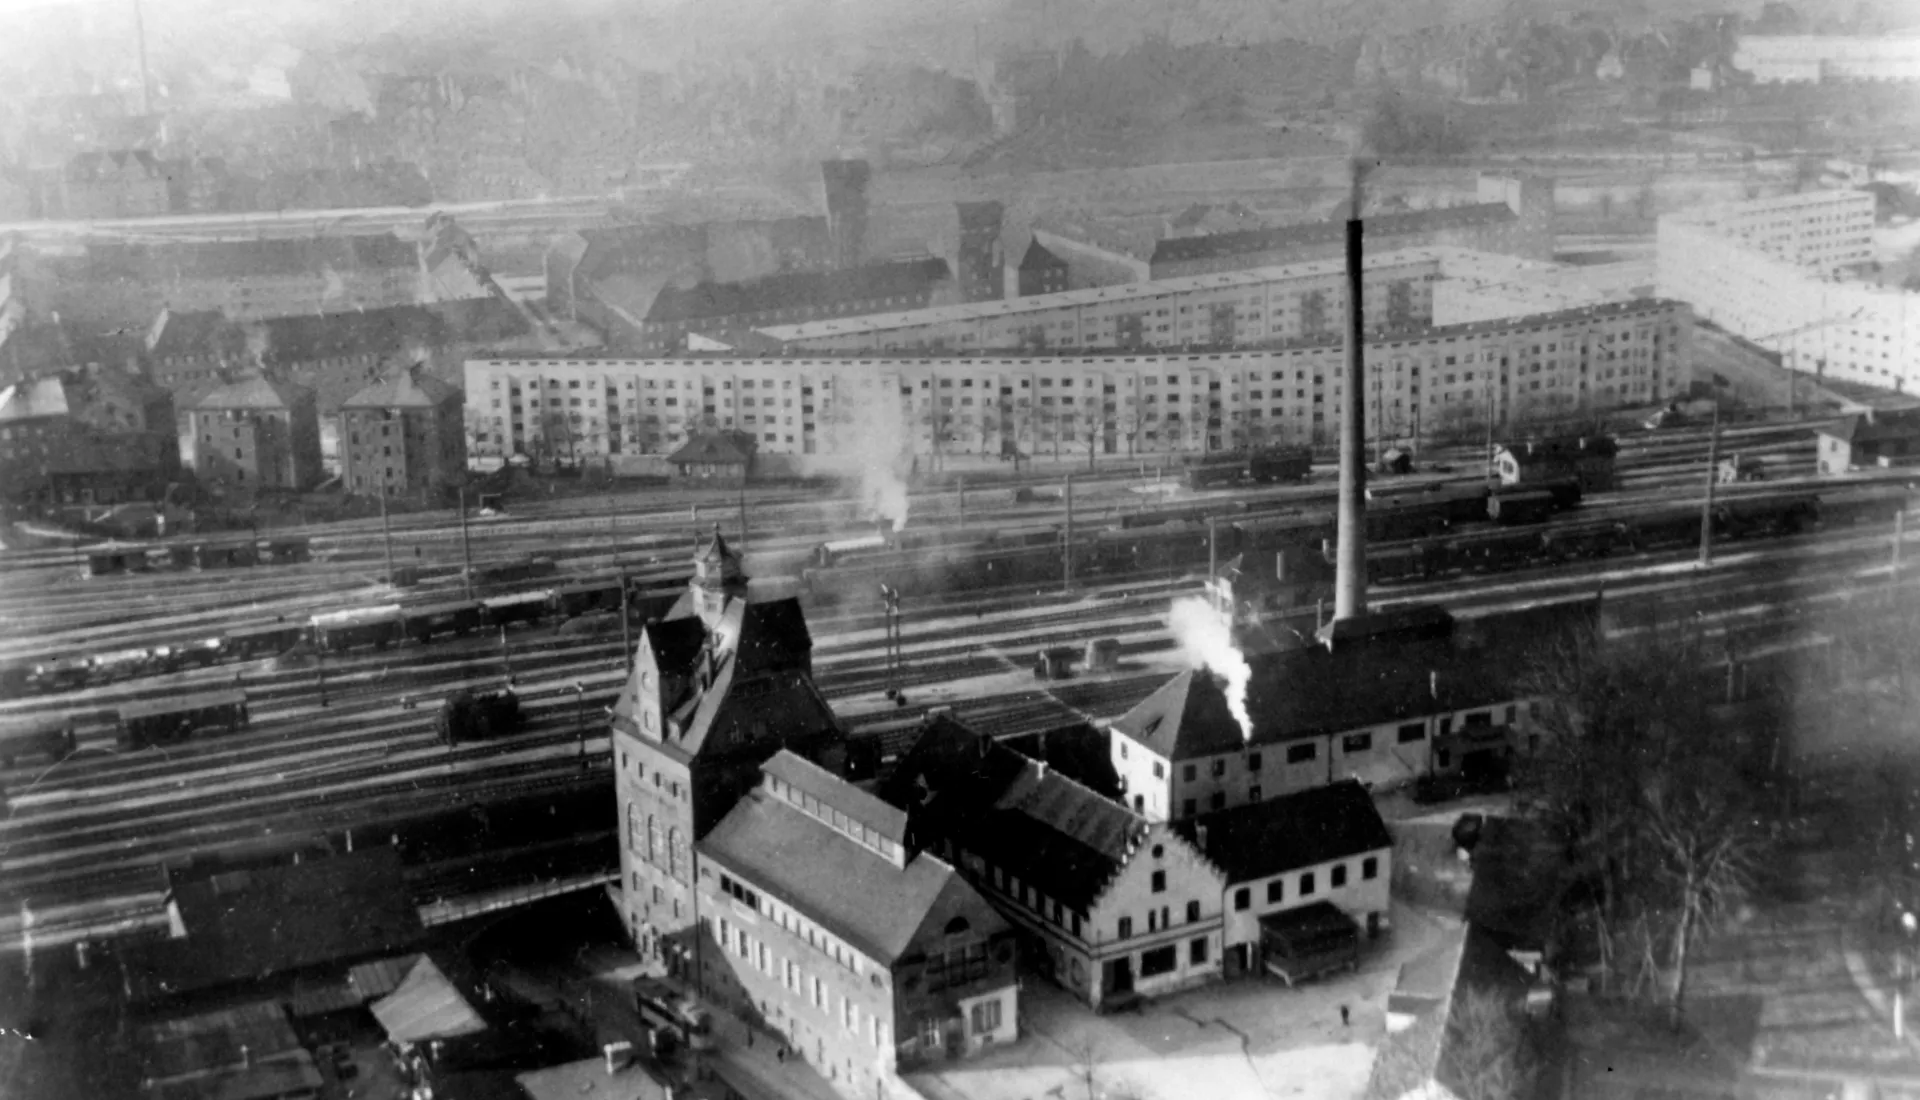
[(146, 81), (1350, 576)]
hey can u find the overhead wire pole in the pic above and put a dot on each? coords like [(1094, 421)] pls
[(1066, 554), (466, 546), (386, 536), (1713, 475)]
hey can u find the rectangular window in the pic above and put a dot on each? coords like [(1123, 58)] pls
[(1242, 898), (1126, 928), (1357, 742), (819, 994), (1253, 761), (1160, 960), (1300, 754), (1370, 867), (1338, 875), (1159, 882), (986, 1017), (1276, 892), (1193, 912), (1306, 884), (1189, 772), (1197, 952), (1413, 731)]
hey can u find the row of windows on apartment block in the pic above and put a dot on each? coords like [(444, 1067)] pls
[(957, 968), (1203, 377)]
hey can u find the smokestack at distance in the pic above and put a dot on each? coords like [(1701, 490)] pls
[(1350, 567)]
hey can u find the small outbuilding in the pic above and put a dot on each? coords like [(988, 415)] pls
[(714, 458), (1872, 439)]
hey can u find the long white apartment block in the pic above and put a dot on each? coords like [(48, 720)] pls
[(1773, 271), (829, 407)]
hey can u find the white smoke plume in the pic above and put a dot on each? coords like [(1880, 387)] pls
[(874, 437), (1206, 640)]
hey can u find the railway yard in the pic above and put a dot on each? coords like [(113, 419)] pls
[(336, 727)]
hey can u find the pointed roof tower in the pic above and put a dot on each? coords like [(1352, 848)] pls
[(1186, 717)]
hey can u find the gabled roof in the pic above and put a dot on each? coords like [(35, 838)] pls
[(409, 387), (192, 333), (709, 447), (1423, 1059), (1185, 717), (34, 399), (797, 291), (1875, 427), (1262, 839), (784, 705), (853, 892), (1025, 817), (771, 634), (247, 924), (810, 778), (1183, 249), (1039, 258), (426, 1005), (100, 164), (256, 391)]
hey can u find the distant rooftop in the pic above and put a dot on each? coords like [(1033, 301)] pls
[(1187, 249)]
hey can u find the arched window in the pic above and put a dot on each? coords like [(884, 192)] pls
[(633, 828), (676, 854), (653, 839)]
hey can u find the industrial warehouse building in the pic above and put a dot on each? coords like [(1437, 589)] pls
[(831, 407), (1782, 272)]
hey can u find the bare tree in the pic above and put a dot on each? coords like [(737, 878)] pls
[(1488, 1053), (1703, 846)]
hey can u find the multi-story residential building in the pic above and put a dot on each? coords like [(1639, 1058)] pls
[(792, 298), (1040, 272), (1318, 717), (717, 688), (1776, 272), (865, 955), (980, 267), (1114, 402), (118, 285), (184, 350), (1828, 58), (405, 433), (119, 183), (1514, 216), (258, 432), (1286, 854), (1110, 905), (94, 435), (1231, 309)]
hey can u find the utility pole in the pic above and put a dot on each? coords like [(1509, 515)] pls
[(466, 546), (1713, 475), (386, 536), (1066, 556), (580, 714), (1490, 467), (743, 514), (1350, 586), (506, 657), (1899, 536)]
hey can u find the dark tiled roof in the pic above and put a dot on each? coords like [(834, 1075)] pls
[(1431, 988), (212, 1041), (1082, 752), (1033, 821), (94, 166), (1311, 691), (1262, 839), (242, 258), (852, 891), (1039, 258), (797, 291), (256, 391), (315, 336), (1184, 249), (785, 704), (885, 819), (252, 923), (191, 334), (409, 387), (772, 634), (1878, 427)]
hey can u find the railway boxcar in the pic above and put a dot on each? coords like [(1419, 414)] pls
[(519, 607), (428, 621), (225, 555), (116, 560), (1492, 551), (1665, 529), (1524, 506), (178, 718), (1031, 535), (249, 643), (829, 554), (1400, 518), (1215, 473), (1766, 516), (477, 716), (48, 737), (515, 572), (62, 674), (1397, 561), (378, 627), (1281, 464), (1849, 507), (585, 597), (1587, 540), (287, 551)]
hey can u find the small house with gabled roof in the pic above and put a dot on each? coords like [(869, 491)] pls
[(864, 954), (713, 458), (1110, 905), (1322, 845), (1876, 438)]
